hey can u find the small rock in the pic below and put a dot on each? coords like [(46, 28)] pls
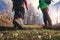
[(49, 36), (1, 35), (15, 35), (39, 36)]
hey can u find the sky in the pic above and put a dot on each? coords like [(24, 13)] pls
[(55, 14), (5, 5)]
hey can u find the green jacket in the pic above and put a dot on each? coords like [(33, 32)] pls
[(42, 4)]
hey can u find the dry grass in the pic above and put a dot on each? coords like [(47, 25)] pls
[(34, 34), (33, 27), (30, 35)]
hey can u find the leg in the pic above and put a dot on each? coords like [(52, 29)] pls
[(16, 21), (16, 25), (44, 17), (47, 19), (21, 22), (21, 15)]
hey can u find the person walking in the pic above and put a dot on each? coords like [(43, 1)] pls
[(18, 7), (43, 5)]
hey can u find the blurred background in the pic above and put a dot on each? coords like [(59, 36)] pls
[(33, 15)]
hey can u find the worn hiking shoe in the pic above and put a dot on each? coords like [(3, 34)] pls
[(17, 26)]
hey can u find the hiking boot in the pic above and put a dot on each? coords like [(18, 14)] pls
[(17, 26)]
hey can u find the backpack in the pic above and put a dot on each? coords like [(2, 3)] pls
[(48, 1)]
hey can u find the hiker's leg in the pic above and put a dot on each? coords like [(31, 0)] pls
[(22, 11), (21, 22), (44, 17), (49, 21), (45, 20), (47, 17), (16, 21), (16, 25)]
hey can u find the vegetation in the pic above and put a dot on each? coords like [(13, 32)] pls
[(33, 34)]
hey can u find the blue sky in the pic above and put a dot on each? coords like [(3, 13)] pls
[(5, 5)]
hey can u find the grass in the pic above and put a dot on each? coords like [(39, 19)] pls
[(34, 34)]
